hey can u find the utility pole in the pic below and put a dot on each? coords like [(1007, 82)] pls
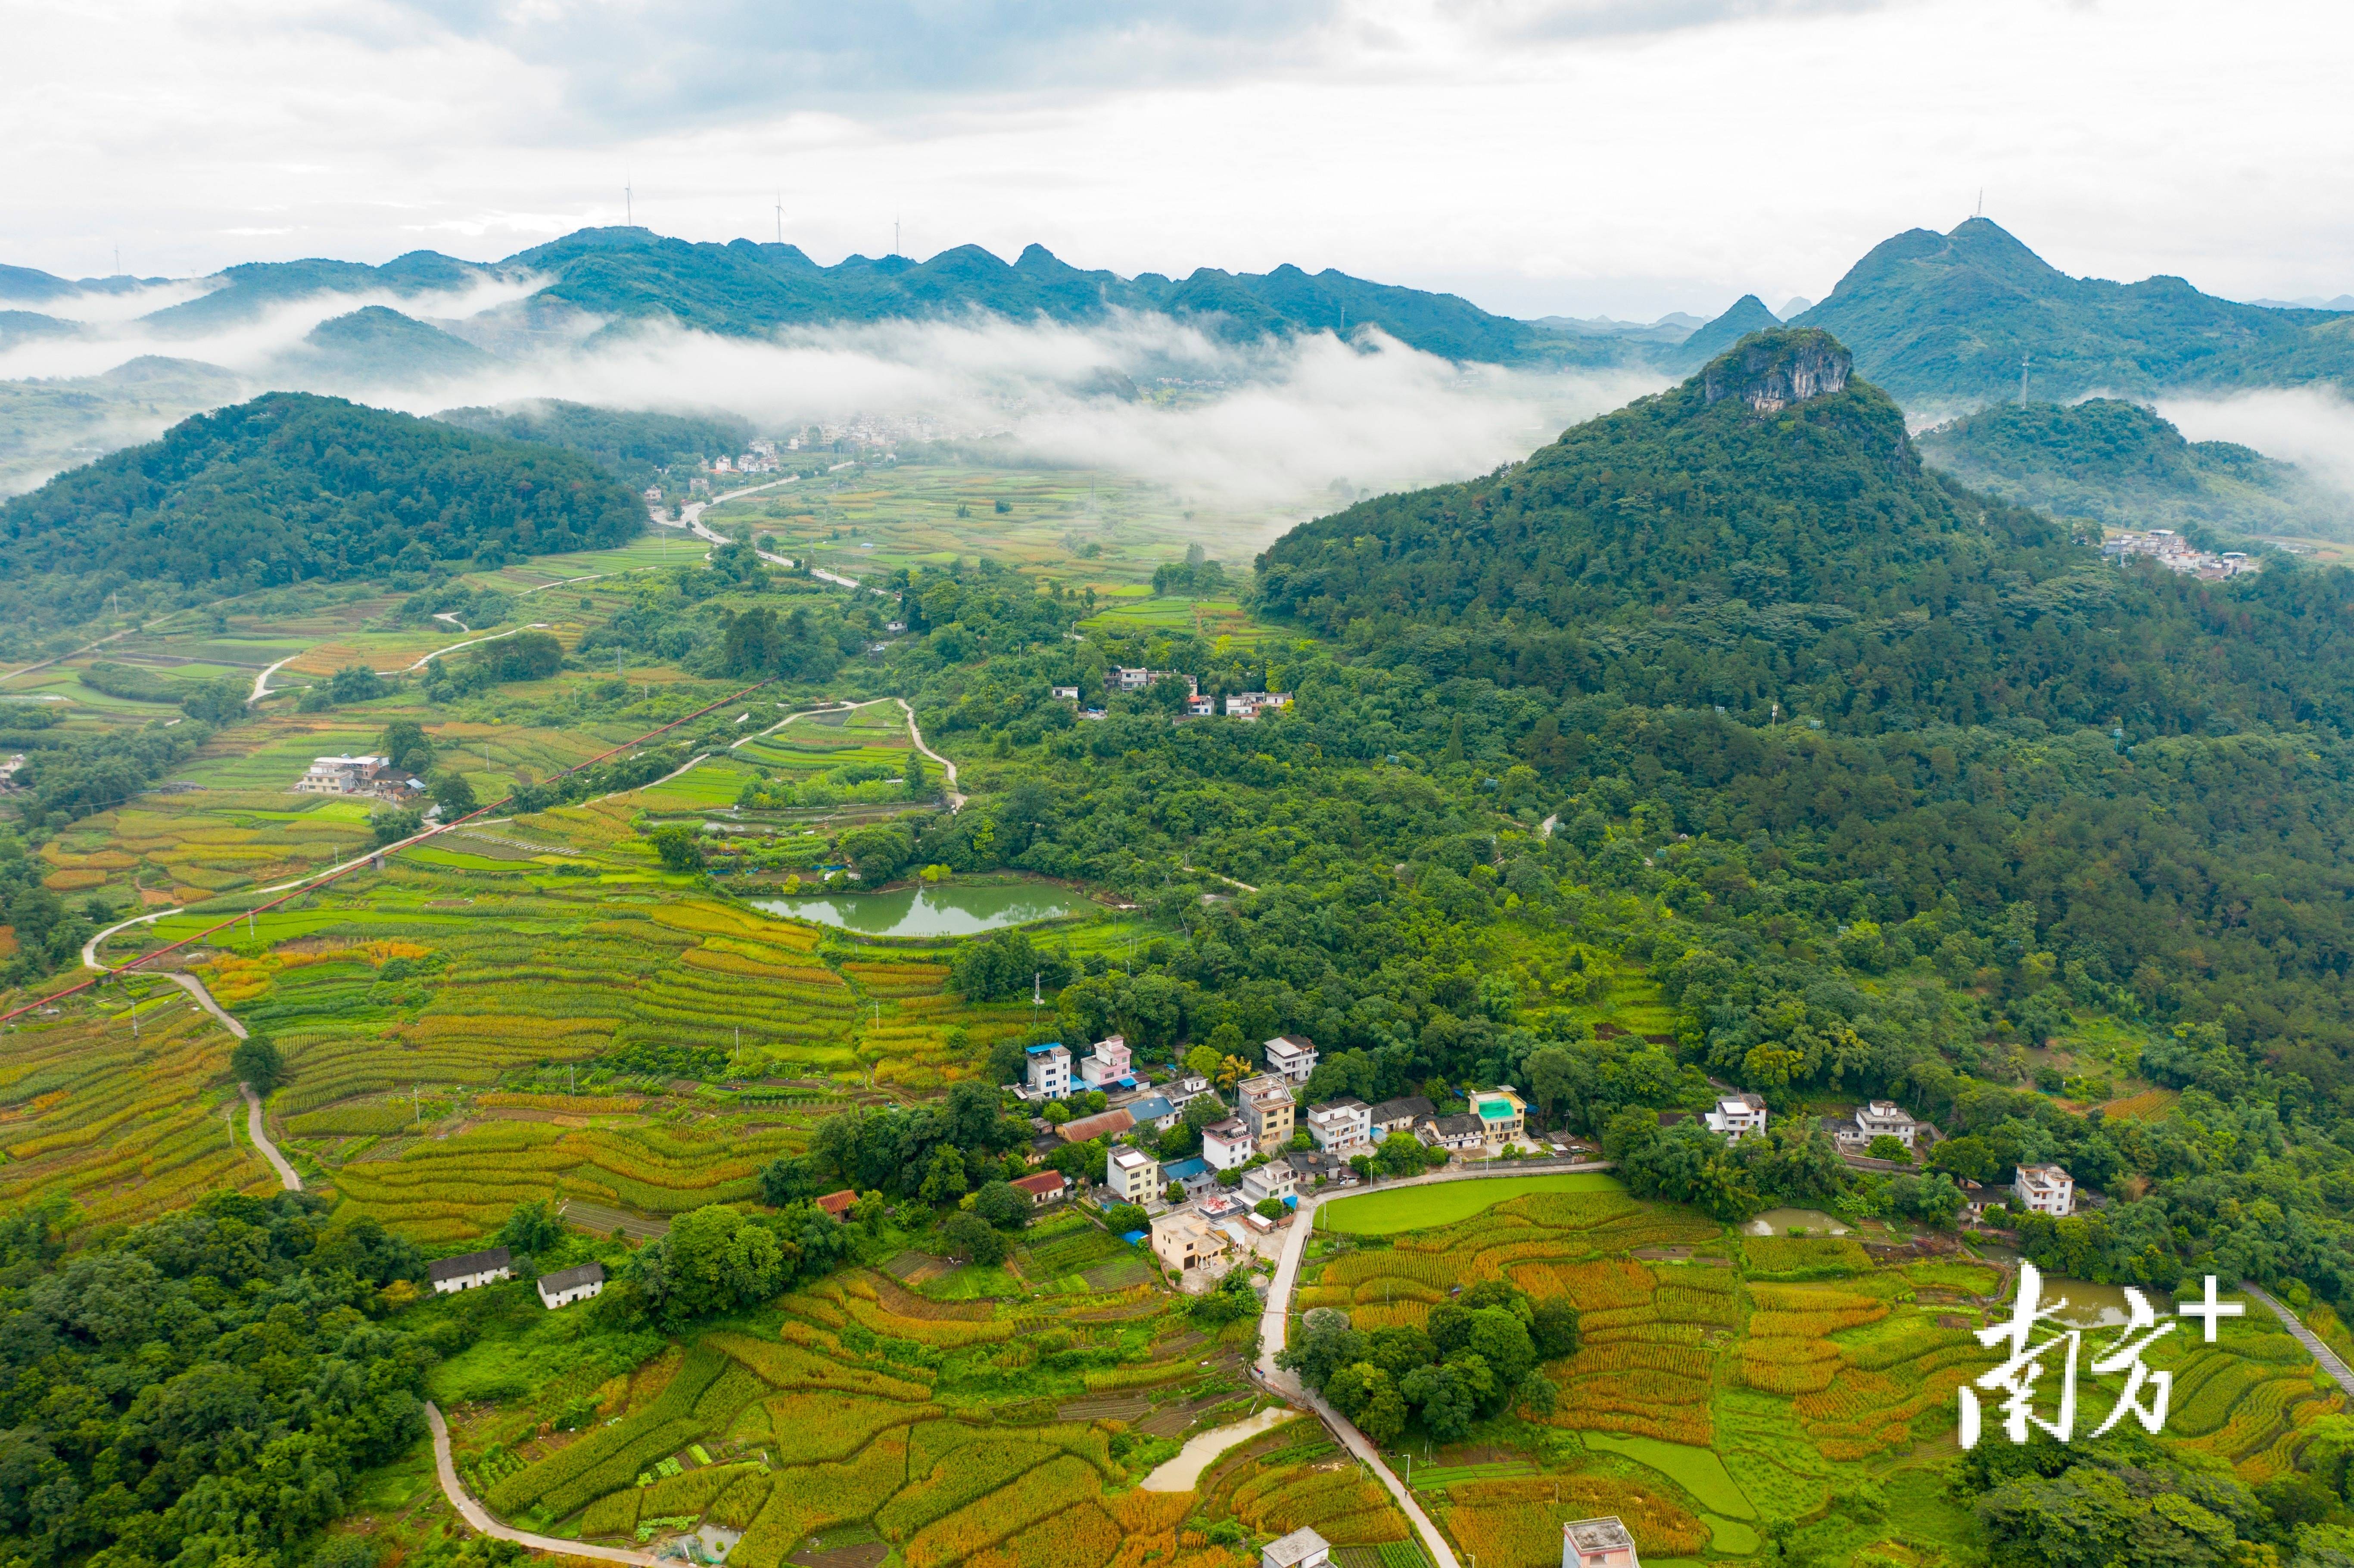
[(2022, 378), (628, 206), (416, 1107)]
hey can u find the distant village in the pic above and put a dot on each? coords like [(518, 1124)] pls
[(1239, 704), (2174, 553)]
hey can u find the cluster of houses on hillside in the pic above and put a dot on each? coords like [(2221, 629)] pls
[(371, 776), (1202, 1220), (2174, 552), (1239, 704)]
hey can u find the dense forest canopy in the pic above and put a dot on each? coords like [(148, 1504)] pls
[(1681, 552), (204, 1391), (633, 443), (291, 488)]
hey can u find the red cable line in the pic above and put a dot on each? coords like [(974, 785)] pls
[(323, 878)]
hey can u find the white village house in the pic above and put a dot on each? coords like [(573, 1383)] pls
[(1340, 1126), (1226, 1144), (1048, 1072), (567, 1285), (2046, 1190), (470, 1270), (1303, 1548), (1598, 1544), (1737, 1115), (1292, 1057), (1884, 1118)]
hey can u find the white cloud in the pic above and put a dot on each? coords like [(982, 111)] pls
[(2312, 427), (1565, 155), (248, 346), (1283, 422)]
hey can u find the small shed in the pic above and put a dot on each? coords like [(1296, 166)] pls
[(1044, 1187), (839, 1204), (1303, 1548)]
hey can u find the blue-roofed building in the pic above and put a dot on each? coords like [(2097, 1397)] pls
[(1049, 1070), (1154, 1110), (1194, 1175)]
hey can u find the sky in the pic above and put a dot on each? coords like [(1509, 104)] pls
[(1577, 157)]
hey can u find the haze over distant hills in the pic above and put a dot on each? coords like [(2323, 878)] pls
[(1940, 321), (2120, 464), (610, 279)]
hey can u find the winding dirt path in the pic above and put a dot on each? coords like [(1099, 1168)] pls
[(479, 1517), (262, 682), (286, 1176), (955, 800), (452, 648)]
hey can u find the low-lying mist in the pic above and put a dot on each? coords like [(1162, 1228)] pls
[(1252, 428), (2312, 427)]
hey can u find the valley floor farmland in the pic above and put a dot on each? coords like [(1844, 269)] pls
[(1730, 1383)]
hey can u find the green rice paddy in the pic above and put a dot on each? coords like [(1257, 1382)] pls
[(1444, 1202)]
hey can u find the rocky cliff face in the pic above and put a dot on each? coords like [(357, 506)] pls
[(1772, 370)]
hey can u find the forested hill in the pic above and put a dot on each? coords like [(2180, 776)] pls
[(633, 443), (744, 288), (1737, 542), (2124, 465), (288, 488), (629, 276), (1944, 319)]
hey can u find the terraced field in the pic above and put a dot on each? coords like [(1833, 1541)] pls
[(1726, 1381), (862, 1412), (122, 1126)]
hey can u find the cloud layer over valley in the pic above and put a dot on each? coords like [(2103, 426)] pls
[(1250, 430)]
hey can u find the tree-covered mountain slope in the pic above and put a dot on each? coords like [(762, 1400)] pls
[(747, 289), (2122, 465), (1747, 315), (632, 443), (291, 487), (744, 288), (1945, 319), (1765, 534), (380, 347)]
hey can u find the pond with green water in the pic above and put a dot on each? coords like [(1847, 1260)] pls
[(954, 909)]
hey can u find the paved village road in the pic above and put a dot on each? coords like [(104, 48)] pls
[(1275, 1322)]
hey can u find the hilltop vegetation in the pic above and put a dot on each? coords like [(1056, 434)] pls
[(2121, 465), (632, 444), (1944, 319), (1683, 552), (291, 488)]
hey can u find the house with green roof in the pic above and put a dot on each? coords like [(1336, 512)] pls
[(1503, 1115)]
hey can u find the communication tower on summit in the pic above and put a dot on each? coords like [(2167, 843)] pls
[(2022, 379)]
